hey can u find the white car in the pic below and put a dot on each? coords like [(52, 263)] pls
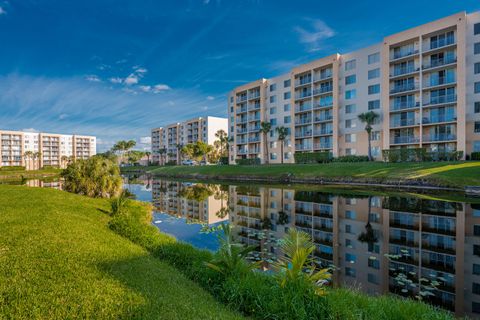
[(189, 163)]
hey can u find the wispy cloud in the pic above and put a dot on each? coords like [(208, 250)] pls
[(131, 79), (93, 78), (95, 108), (116, 80), (314, 33), (210, 98), (2, 11)]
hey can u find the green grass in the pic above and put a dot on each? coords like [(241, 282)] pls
[(60, 260), (442, 174), (29, 174)]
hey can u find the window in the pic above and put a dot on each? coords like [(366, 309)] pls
[(476, 268), (273, 87), (374, 58), (350, 257), (476, 128), (273, 110), (349, 243), (475, 307), (287, 155), (273, 156), (476, 148), (273, 122), (476, 48), (286, 95), (350, 123), (476, 250), (350, 272), (350, 65), (375, 135), (373, 104), (287, 119), (476, 68), (372, 278), (350, 94), (476, 230), (373, 74), (286, 107), (350, 137), (373, 263), (350, 108), (475, 288), (273, 99), (477, 87), (350, 151), (373, 89), (477, 107), (349, 214), (231, 99), (350, 79), (286, 83), (348, 228), (476, 28)]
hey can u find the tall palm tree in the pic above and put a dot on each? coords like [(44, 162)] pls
[(148, 154), (223, 138), (28, 155), (369, 119), (265, 128), (37, 156), (179, 153), (163, 152), (64, 159), (282, 135)]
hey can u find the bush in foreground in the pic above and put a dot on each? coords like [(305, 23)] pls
[(259, 295)]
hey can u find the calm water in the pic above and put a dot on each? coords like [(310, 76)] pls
[(406, 244), (410, 245)]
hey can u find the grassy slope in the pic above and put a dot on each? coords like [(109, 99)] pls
[(455, 174), (17, 174), (59, 260)]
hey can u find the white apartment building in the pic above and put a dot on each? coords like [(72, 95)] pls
[(36, 150), (424, 83), (166, 141)]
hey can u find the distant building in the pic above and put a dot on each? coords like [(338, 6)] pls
[(166, 140), (35, 150)]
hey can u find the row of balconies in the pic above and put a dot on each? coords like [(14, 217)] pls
[(409, 139)]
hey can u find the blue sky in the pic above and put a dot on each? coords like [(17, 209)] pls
[(116, 69)]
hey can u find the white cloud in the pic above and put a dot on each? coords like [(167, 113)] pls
[(140, 70), (314, 34), (131, 79), (63, 116), (121, 61), (160, 87), (146, 140), (145, 88), (116, 80), (210, 98), (93, 78), (2, 11), (30, 130)]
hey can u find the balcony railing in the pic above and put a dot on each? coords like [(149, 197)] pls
[(254, 106), (254, 139), (439, 81), (440, 137), (242, 120), (303, 107), (326, 117), (303, 81), (302, 95), (404, 88), (441, 99), (402, 71), (303, 120), (254, 95), (254, 118), (395, 123), (322, 145), (242, 130), (441, 118), (303, 134), (322, 132), (322, 76), (241, 99), (324, 104), (443, 42), (256, 128), (404, 105), (255, 150), (403, 53), (300, 147), (439, 62), (322, 90), (404, 139)]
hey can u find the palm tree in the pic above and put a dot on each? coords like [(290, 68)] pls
[(28, 155), (223, 138), (369, 118), (64, 159), (265, 128), (37, 156), (148, 154), (282, 135), (179, 153)]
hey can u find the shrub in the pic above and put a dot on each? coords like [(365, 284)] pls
[(313, 157), (171, 163), (223, 160), (12, 168), (351, 158), (475, 156), (420, 154), (50, 167), (249, 162)]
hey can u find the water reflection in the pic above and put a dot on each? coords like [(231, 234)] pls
[(398, 244)]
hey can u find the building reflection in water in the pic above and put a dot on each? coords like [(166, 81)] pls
[(405, 245)]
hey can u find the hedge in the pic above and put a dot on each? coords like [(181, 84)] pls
[(313, 157), (475, 156), (420, 154), (12, 168), (351, 158), (249, 162)]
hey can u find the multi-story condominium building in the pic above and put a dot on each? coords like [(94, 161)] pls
[(424, 83), (36, 150), (166, 141)]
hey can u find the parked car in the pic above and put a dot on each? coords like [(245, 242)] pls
[(204, 163), (189, 163)]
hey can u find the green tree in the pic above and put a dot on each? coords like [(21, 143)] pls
[(282, 135), (148, 154), (369, 119), (28, 155), (223, 140), (179, 153), (265, 128)]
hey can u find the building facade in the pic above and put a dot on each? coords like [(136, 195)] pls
[(166, 141), (424, 83), (36, 150)]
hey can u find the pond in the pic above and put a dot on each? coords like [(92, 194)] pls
[(415, 245)]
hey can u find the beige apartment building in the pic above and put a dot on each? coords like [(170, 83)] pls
[(167, 140), (35, 150), (423, 82)]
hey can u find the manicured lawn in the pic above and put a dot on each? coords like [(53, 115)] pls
[(17, 174), (452, 174), (59, 260)]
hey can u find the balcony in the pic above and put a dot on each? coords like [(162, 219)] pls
[(303, 120), (403, 54), (439, 118), (255, 106), (241, 141), (241, 99), (303, 81), (254, 151), (441, 99), (303, 107), (322, 90), (404, 105), (302, 95), (440, 81), (253, 129), (242, 130), (322, 132), (404, 88), (242, 151), (303, 147), (255, 95), (324, 117), (324, 104), (440, 137), (325, 145), (439, 63), (322, 76), (242, 120), (396, 123), (398, 72), (404, 140), (254, 139), (303, 134), (242, 110), (440, 43), (254, 118)]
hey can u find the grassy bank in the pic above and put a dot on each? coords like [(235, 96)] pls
[(28, 174), (59, 260), (440, 174)]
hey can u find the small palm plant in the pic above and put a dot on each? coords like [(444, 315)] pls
[(231, 257), (118, 204), (297, 267)]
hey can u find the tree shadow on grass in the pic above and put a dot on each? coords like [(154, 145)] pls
[(165, 293)]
